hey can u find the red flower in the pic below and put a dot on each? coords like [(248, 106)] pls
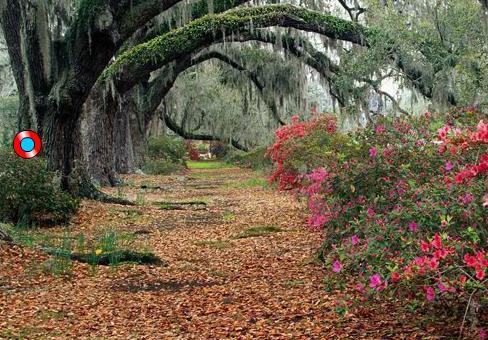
[(436, 241), (425, 246)]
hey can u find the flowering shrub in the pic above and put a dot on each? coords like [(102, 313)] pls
[(192, 151), (403, 204)]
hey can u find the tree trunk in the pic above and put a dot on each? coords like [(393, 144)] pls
[(97, 127)]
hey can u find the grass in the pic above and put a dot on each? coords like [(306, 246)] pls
[(214, 244), (208, 165), (250, 183), (259, 231)]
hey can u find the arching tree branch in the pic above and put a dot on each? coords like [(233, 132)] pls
[(173, 126), (136, 64)]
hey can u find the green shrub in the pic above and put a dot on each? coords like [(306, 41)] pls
[(30, 194), (162, 167), (202, 148), (167, 148), (255, 159)]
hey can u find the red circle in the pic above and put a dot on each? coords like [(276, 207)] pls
[(27, 134)]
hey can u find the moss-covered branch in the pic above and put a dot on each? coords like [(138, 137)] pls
[(197, 10), (136, 64)]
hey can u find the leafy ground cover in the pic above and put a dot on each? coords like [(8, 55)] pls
[(214, 284)]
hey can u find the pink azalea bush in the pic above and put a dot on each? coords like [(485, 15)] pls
[(403, 204)]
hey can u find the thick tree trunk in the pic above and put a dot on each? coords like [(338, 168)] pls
[(97, 127)]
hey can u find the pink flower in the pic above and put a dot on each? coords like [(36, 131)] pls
[(377, 283), (370, 212), (360, 287), (379, 129), (429, 293), (317, 221), (443, 132), (448, 166), (294, 119), (482, 334), (373, 152), (336, 266), (318, 175), (441, 287), (354, 240), (467, 198), (485, 201), (413, 226)]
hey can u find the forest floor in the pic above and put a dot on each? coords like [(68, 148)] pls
[(239, 263)]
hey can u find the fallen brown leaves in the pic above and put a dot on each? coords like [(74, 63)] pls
[(216, 285)]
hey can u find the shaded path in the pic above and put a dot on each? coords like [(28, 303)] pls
[(219, 283)]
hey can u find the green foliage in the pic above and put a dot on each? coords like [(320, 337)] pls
[(162, 167), (166, 147), (256, 159), (166, 155), (31, 194)]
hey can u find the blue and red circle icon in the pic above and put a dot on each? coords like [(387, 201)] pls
[(27, 144)]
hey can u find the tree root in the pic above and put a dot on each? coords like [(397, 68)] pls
[(5, 237), (86, 189)]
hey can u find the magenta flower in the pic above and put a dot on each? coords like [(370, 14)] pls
[(370, 212), (373, 152), (376, 283), (379, 129), (467, 198), (336, 266), (354, 240), (482, 334), (360, 287), (442, 287), (413, 226), (429, 293), (448, 166), (318, 175)]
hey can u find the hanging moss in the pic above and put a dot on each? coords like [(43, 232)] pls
[(198, 33)]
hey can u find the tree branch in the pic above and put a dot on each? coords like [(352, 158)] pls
[(136, 64), (171, 124)]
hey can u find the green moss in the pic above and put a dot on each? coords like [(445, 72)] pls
[(200, 32)]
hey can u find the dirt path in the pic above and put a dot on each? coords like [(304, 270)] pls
[(239, 266)]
